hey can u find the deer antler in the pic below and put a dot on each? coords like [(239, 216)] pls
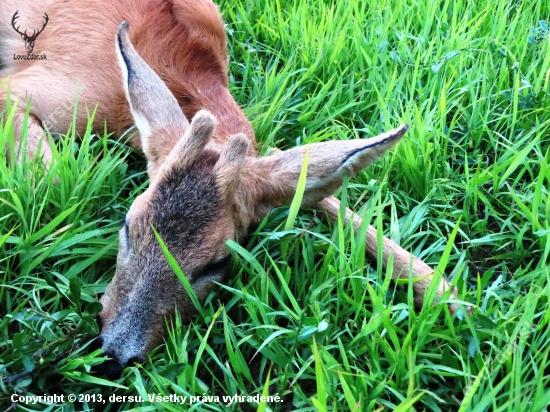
[(15, 16), (24, 34), (43, 26)]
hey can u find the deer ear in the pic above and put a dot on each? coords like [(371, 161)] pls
[(271, 181), (157, 114)]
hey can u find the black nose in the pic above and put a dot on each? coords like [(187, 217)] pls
[(96, 344), (111, 368)]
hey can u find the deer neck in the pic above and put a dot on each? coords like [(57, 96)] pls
[(230, 117), (210, 92)]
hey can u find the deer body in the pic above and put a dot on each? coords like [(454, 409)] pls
[(166, 66), (192, 61)]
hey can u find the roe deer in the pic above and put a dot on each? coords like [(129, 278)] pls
[(166, 65)]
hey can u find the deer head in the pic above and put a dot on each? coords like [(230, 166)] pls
[(29, 40), (201, 194)]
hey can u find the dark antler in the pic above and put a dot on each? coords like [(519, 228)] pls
[(43, 27), (15, 16), (24, 34)]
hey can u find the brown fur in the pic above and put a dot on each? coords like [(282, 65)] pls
[(168, 65), (194, 50)]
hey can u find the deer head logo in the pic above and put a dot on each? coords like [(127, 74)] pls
[(29, 40)]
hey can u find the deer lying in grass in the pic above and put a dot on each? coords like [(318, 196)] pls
[(206, 183)]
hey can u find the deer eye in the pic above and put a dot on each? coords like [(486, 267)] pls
[(216, 266)]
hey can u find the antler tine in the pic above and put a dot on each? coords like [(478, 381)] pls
[(45, 22), (14, 18), (36, 32)]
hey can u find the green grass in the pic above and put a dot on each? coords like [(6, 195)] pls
[(305, 316)]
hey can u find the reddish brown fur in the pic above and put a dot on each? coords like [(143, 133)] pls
[(195, 53)]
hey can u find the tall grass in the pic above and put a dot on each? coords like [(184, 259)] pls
[(305, 316)]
